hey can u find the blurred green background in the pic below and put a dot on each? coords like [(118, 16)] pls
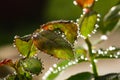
[(21, 17)]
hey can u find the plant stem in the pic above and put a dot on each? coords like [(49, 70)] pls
[(94, 68)]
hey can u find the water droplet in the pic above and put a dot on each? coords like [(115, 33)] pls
[(77, 20), (63, 35), (54, 65), (66, 66), (105, 52), (103, 37), (16, 36), (86, 59), (15, 72), (116, 56), (95, 60), (89, 35), (111, 48), (111, 56), (82, 36), (98, 19), (100, 52), (70, 63), (81, 15), (20, 55), (44, 78), (93, 51), (82, 57), (118, 53), (63, 67), (33, 75), (75, 3), (59, 68), (35, 35), (98, 15), (14, 45), (50, 69), (96, 25), (76, 60), (90, 65), (56, 71)]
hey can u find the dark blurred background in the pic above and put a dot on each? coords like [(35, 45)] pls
[(21, 17)]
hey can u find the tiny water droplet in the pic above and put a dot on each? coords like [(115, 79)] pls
[(96, 25), (44, 78), (33, 75), (76, 60), (98, 15), (15, 72), (70, 63), (111, 56), (20, 55), (95, 60), (63, 67), (56, 71), (90, 65), (16, 36), (93, 51), (103, 37), (118, 53), (63, 35), (77, 20), (81, 15), (89, 35), (116, 56), (82, 57), (54, 65), (59, 68), (111, 48), (98, 19), (75, 3), (86, 59), (50, 69), (14, 45)]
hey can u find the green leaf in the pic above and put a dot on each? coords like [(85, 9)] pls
[(111, 52), (25, 46), (82, 76), (111, 76), (54, 71), (32, 65), (111, 18), (53, 44), (12, 77), (69, 28), (80, 52), (87, 23)]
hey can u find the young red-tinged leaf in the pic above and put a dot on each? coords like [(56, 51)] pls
[(53, 44), (6, 62), (25, 46), (85, 3), (87, 23), (69, 28)]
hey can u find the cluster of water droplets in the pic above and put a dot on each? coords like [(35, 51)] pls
[(56, 69), (108, 52)]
